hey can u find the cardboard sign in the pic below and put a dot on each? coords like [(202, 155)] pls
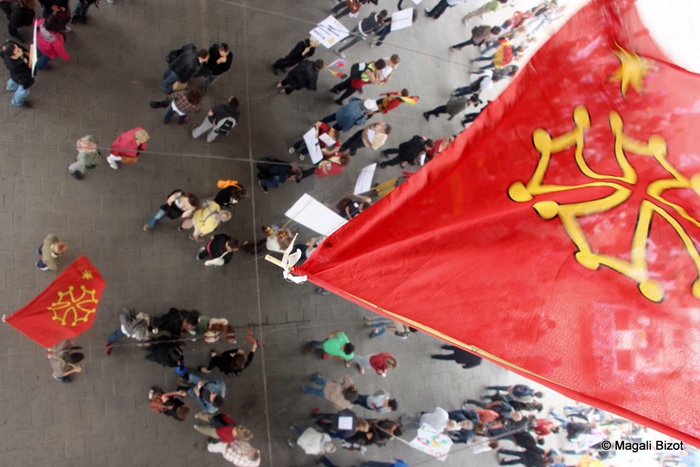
[(329, 32)]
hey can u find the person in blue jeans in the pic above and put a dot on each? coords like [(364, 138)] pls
[(16, 59), (81, 10)]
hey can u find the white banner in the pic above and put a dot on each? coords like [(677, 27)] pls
[(329, 32), (315, 215)]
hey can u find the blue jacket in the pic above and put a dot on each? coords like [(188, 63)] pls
[(352, 113), (214, 385)]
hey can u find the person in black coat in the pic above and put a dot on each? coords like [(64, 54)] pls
[(220, 249), (304, 75), (183, 64), (464, 358), (16, 59), (19, 13), (303, 50), (219, 62), (408, 152), (272, 172)]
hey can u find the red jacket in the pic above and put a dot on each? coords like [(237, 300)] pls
[(378, 361), (125, 145), (50, 43)]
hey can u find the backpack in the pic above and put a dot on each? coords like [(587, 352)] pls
[(156, 404), (173, 55), (356, 70), (224, 126)]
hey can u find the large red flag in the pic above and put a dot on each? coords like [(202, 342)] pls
[(65, 309), (558, 235)]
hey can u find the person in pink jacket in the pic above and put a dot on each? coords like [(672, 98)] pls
[(50, 43), (127, 147)]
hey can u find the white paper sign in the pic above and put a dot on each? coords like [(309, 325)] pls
[(327, 140), (312, 145), (364, 180), (432, 442), (329, 32), (315, 215), (402, 19), (345, 423)]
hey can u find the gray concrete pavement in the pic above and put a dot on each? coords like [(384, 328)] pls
[(102, 418)]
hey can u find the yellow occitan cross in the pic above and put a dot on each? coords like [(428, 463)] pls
[(69, 306), (569, 214)]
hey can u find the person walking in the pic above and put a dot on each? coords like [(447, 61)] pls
[(441, 7), (221, 427), (336, 345), (50, 251), (178, 205), (332, 165), (219, 62), (88, 157), (329, 144), (302, 50), (304, 75), (50, 43), (20, 13), (219, 121), (360, 74), (220, 249), (355, 112), (381, 401), (341, 393), (16, 60), (373, 136), (182, 103), (230, 362), (392, 100), (453, 107), (370, 26), (464, 358), (134, 325), (183, 65), (272, 172), (480, 34), (167, 403), (205, 219), (208, 392), (488, 7), (64, 360), (408, 152), (240, 453), (379, 362), (127, 147)]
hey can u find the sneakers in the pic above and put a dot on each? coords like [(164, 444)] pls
[(361, 369), (199, 251), (401, 335), (42, 266), (76, 175), (201, 416), (113, 164), (291, 150), (307, 349), (145, 228), (426, 116), (377, 333), (212, 353), (321, 291), (262, 187), (108, 349)]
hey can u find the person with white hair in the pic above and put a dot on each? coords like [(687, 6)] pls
[(314, 443)]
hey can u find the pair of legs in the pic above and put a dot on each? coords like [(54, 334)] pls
[(520, 457), (43, 60), (172, 110), (154, 219), (340, 10), (346, 86), (442, 109), (169, 78), (463, 44), (284, 85), (451, 356), (40, 264), (478, 12), (320, 381), (20, 95), (80, 12), (353, 143), (206, 125), (437, 10), (395, 161), (354, 38)]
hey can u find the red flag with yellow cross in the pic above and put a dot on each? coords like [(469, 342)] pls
[(558, 235), (65, 309)]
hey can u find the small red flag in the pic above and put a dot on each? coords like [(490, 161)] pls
[(559, 235), (65, 309)]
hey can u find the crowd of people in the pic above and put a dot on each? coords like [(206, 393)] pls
[(508, 413)]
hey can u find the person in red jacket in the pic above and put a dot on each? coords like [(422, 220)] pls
[(332, 165), (127, 147), (380, 362), (50, 43)]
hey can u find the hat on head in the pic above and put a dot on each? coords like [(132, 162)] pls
[(371, 104)]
